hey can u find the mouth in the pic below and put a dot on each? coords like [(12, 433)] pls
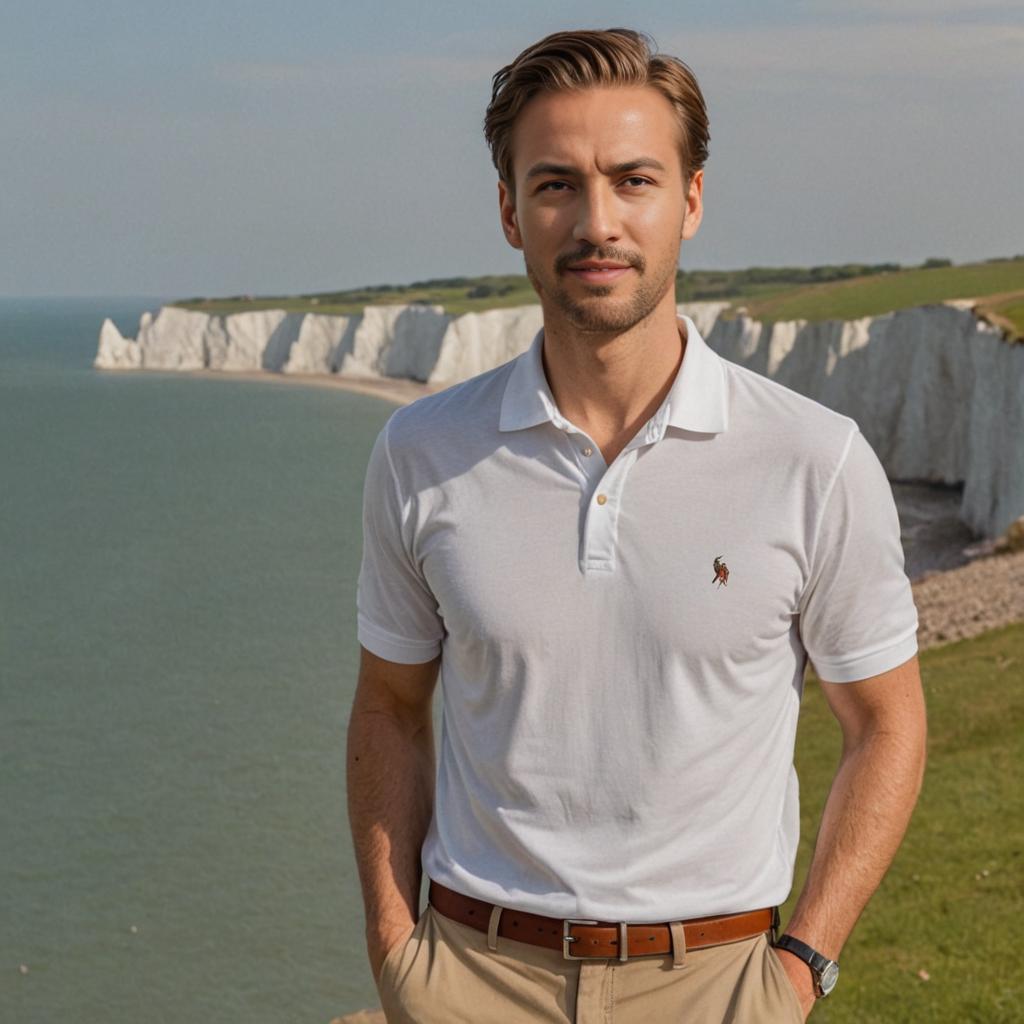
[(598, 272)]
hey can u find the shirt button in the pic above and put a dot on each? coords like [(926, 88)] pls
[(588, 451), (602, 498)]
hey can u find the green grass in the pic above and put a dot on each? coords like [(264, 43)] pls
[(882, 293), (1012, 311), (952, 902), (456, 295), (780, 293)]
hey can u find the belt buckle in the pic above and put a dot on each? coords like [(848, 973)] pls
[(567, 938)]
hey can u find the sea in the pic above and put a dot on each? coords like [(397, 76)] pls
[(178, 559)]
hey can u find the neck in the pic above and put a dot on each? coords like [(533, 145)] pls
[(609, 385)]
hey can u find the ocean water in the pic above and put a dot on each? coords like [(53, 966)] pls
[(178, 560)]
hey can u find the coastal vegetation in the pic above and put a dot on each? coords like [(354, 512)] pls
[(931, 944), (828, 292)]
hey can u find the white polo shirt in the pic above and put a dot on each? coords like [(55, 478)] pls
[(618, 718)]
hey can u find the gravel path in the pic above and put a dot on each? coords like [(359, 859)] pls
[(960, 603), (959, 588)]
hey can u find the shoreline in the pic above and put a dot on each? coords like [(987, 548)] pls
[(397, 390)]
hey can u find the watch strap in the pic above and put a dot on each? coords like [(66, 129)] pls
[(815, 960)]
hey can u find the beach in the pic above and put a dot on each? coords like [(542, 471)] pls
[(399, 391)]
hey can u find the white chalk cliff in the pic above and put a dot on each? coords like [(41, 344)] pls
[(937, 392)]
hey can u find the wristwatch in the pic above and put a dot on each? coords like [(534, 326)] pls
[(825, 971)]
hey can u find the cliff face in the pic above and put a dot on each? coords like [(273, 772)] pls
[(938, 393), (417, 342)]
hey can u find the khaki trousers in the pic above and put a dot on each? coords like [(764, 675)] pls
[(448, 973)]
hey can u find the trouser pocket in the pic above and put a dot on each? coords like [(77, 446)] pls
[(784, 992), (395, 953)]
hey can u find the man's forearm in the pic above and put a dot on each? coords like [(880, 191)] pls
[(866, 815), (390, 779)]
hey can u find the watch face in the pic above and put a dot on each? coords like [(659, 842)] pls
[(829, 977)]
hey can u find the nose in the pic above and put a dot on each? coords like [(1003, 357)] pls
[(597, 217)]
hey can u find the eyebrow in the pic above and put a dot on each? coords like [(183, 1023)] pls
[(630, 165)]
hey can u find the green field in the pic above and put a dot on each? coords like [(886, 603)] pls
[(457, 295), (951, 904), (880, 293)]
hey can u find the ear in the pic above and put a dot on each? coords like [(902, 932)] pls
[(694, 205), (509, 219)]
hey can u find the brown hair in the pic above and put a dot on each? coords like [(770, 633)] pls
[(586, 59)]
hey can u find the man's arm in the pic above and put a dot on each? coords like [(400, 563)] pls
[(866, 815), (390, 775)]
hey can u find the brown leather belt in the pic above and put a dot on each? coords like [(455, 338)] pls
[(599, 939)]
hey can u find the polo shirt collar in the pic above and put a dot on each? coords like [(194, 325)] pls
[(696, 401)]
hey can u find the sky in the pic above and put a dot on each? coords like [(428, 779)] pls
[(201, 148)]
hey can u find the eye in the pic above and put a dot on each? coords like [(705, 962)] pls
[(633, 181)]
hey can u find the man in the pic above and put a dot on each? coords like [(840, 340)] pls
[(620, 551)]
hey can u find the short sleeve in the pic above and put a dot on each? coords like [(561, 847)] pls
[(857, 612), (397, 614)]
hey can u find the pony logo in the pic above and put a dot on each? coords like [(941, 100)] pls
[(721, 572)]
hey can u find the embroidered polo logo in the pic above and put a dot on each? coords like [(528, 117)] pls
[(721, 572)]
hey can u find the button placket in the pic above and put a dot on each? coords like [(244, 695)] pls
[(600, 525), (602, 487)]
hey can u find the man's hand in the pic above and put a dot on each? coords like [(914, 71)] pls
[(800, 978), (378, 947)]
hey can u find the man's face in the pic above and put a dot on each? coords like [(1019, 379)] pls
[(598, 179)]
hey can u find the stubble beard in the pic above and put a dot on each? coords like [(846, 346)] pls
[(595, 316)]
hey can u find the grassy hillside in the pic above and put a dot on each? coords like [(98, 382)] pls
[(953, 897), (841, 292), (457, 295), (871, 296)]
